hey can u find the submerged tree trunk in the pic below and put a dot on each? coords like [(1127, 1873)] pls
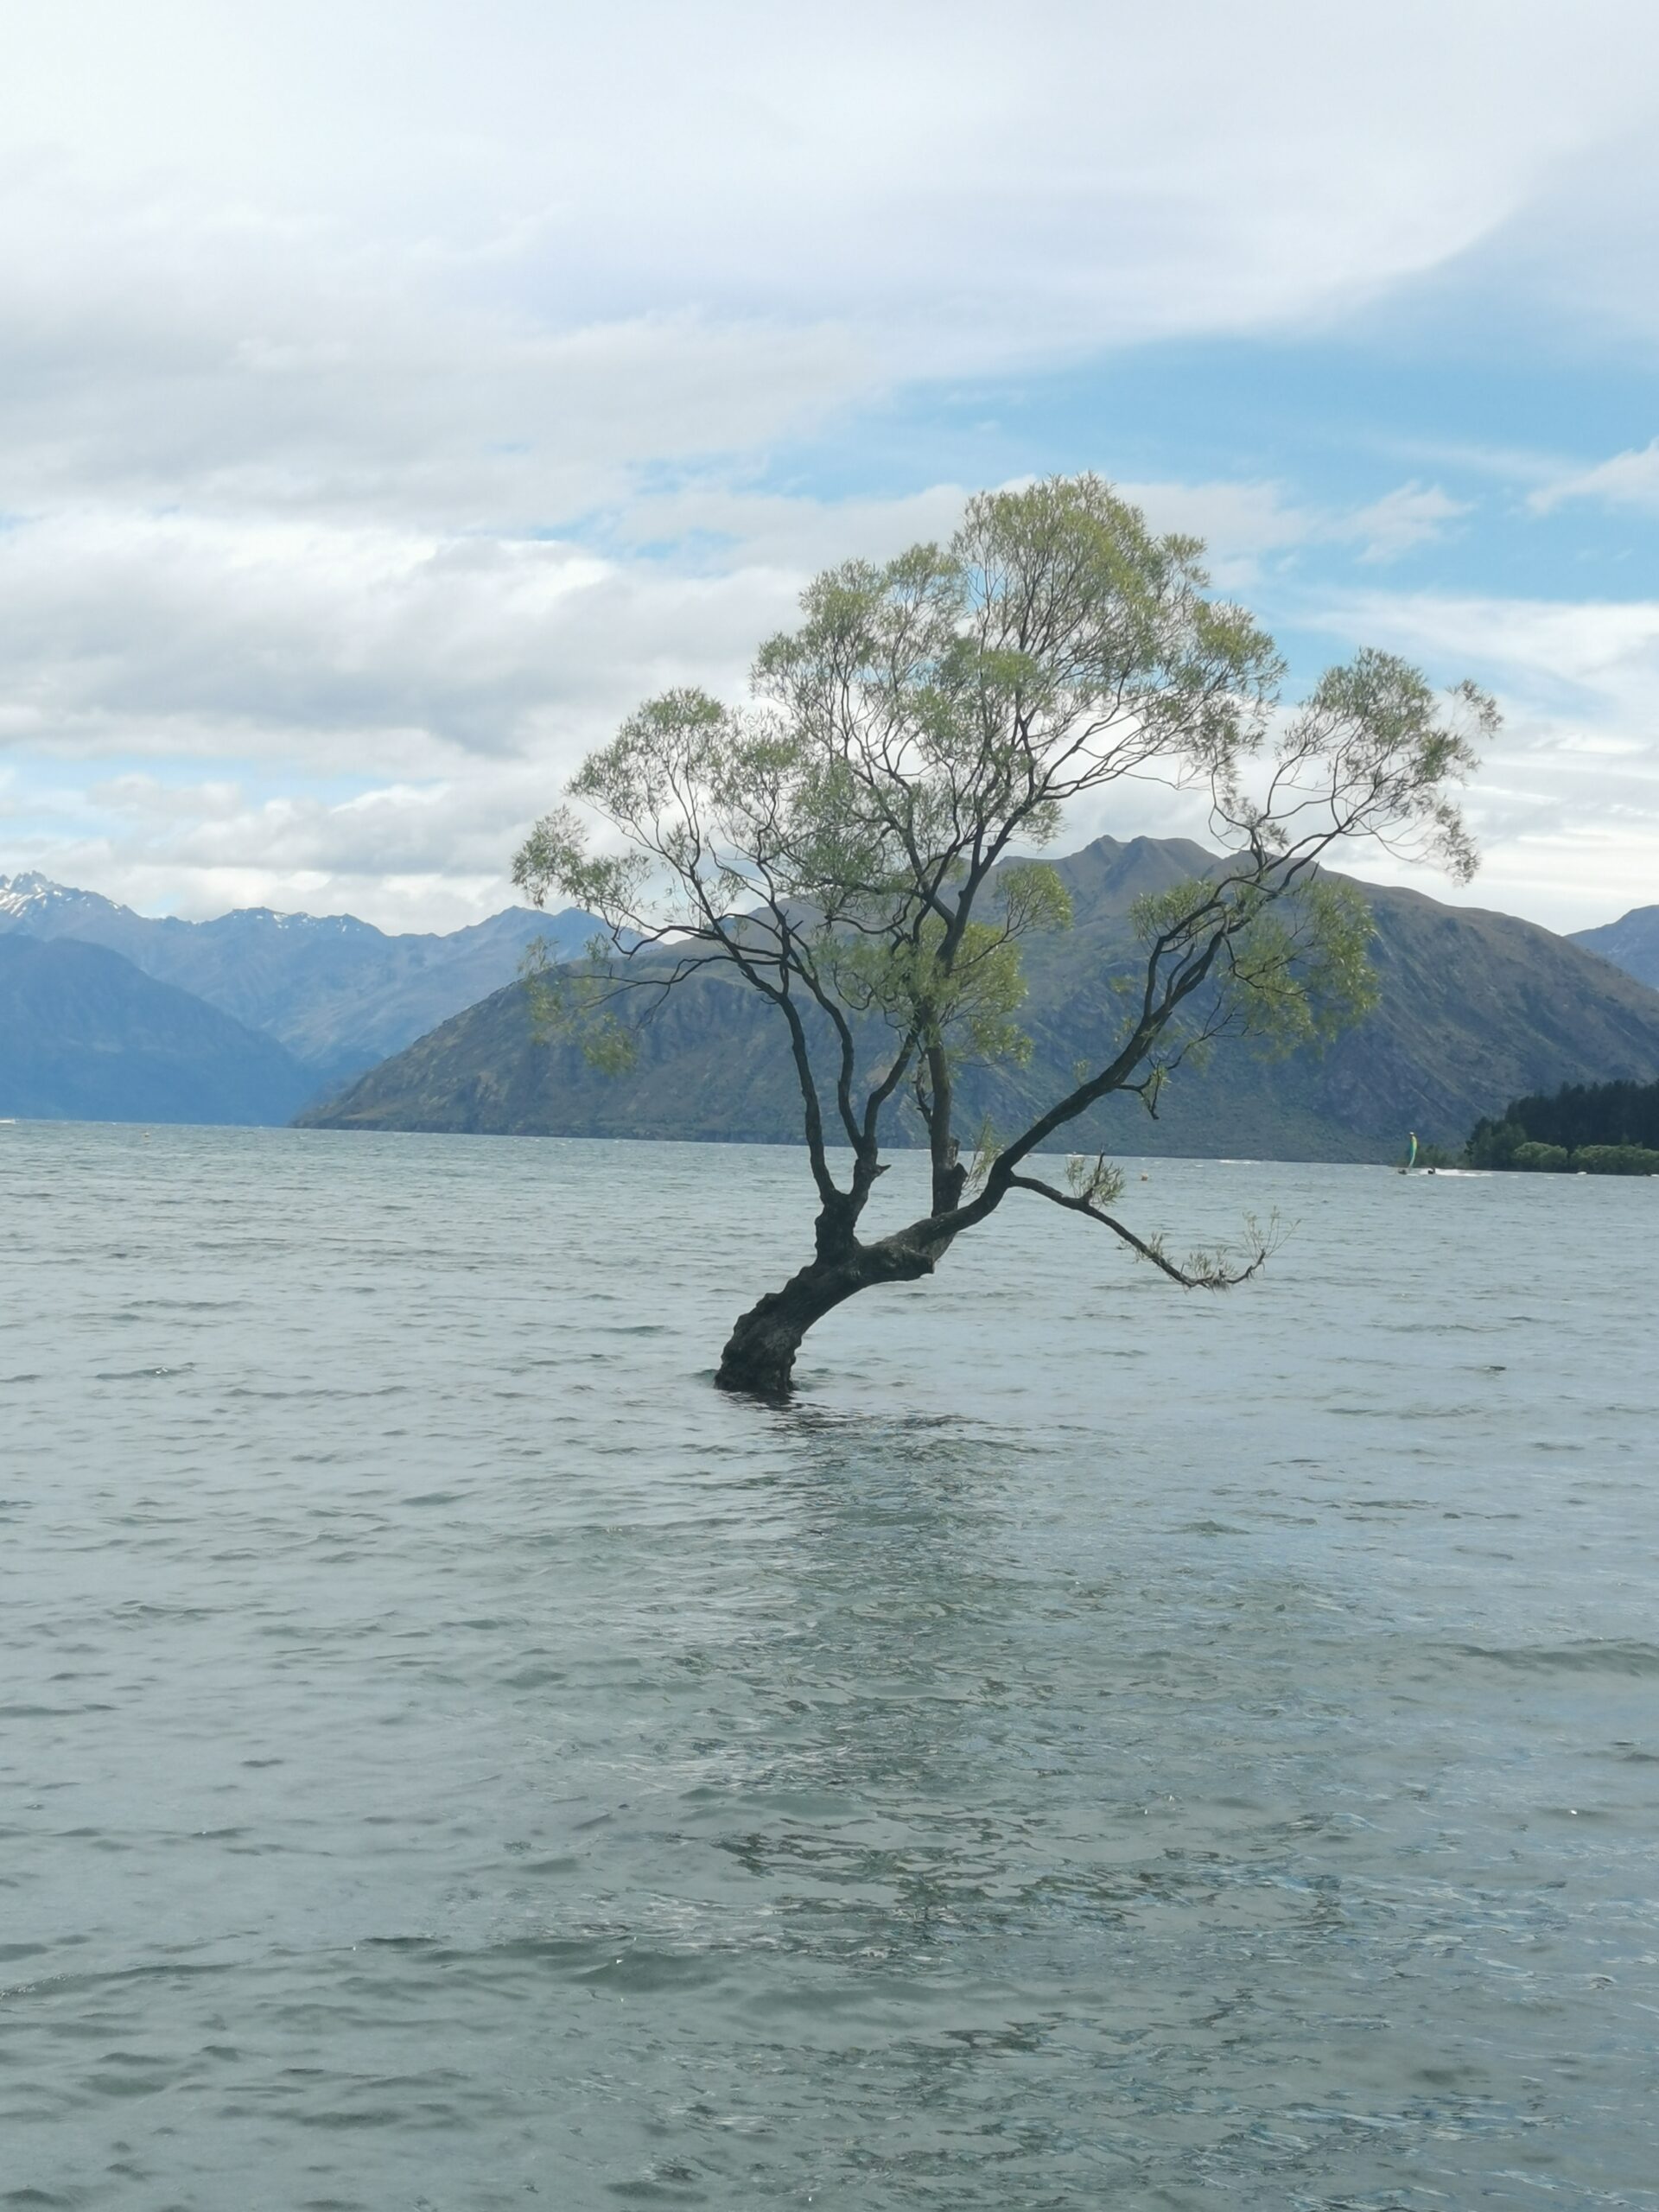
[(759, 1355)]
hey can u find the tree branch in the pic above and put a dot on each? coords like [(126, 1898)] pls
[(1214, 1275)]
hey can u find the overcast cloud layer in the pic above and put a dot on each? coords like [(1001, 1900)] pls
[(390, 397)]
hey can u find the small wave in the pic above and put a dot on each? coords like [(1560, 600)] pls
[(1594, 1656)]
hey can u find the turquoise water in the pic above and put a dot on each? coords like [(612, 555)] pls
[(1102, 1746)]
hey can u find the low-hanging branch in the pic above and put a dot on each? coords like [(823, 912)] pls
[(1212, 1271), (853, 844)]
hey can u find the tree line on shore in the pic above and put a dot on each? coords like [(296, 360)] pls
[(1597, 1128)]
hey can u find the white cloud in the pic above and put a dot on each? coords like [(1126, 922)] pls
[(322, 645), (1567, 806), (1628, 480), (1413, 515), (428, 694), (423, 855), (360, 363), (308, 641), (476, 268), (1241, 522), (936, 171), (1598, 656)]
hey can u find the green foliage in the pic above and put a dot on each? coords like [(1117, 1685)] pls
[(1220, 1267), (1494, 1144), (954, 987), (1530, 1156), (555, 857), (1377, 723), (1291, 968), (986, 1145), (854, 839), (1097, 1182), (1616, 1159), (1540, 1158), (1577, 1115), (572, 1002), (1032, 896), (1300, 970)]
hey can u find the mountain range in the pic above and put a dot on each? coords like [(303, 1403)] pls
[(107, 1014), (85, 1036), (1476, 1008), (333, 994)]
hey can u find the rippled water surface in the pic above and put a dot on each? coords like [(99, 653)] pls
[(1102, 1746)]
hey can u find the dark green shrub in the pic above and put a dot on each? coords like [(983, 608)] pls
[(1614, 1159), (1493, 1143), (1540, 1158)]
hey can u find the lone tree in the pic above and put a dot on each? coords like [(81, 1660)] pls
[(847, 840)]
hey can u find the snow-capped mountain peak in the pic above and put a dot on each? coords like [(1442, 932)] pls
[(335, 991), (34, 895)]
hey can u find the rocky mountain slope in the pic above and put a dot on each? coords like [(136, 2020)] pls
[(1632, 943), (1477, 1008)]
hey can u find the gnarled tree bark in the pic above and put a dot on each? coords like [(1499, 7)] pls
[(759, 1359)]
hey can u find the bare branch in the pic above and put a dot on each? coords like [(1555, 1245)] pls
[(1204, 1270)]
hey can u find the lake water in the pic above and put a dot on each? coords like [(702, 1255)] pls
[(1102, 1746)]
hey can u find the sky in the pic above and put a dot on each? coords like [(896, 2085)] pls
[(391, 397)]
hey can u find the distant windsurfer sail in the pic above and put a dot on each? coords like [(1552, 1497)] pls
[(1411, 1157)]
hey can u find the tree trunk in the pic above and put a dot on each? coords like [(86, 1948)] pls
[(759, 1355)]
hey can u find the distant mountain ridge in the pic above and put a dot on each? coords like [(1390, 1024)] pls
[(1478, 1009), (1632, 943), (86, 1036), (338, 994)]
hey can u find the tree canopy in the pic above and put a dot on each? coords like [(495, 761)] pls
[(857, 840), (1598, 1118)]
